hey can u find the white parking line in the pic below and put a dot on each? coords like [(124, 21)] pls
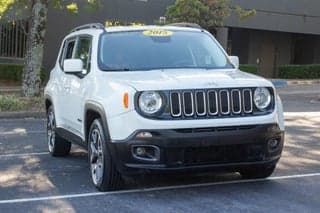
[(24, 154), (21, 132), (22, 200), (302, 114)]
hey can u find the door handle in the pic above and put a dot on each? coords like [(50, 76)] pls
[(67, 88)]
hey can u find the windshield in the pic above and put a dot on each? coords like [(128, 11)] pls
[(159, 49)]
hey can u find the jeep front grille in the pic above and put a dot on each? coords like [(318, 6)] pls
[(211, 103)]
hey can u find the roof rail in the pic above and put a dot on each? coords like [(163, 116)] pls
[(89, 26), (185, 24)]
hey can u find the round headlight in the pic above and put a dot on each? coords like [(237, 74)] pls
[(150, 102), (262, 98)]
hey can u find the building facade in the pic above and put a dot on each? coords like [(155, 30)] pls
[(282, 31)]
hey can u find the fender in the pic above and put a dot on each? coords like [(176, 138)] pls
[(96, 107)]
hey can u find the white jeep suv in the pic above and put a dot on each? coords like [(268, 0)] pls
[(160, 98)]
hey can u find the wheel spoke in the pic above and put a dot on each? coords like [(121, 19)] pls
[(99, 172), (96, 156), (94, 136), (51, 131)]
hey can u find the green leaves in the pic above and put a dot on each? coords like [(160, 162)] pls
[(244, 14), (72, 8), (207, 13), (11, 10), (4, 5), (187, 11)]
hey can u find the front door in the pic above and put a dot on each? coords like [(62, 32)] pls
[(79, 84), (62, 112)]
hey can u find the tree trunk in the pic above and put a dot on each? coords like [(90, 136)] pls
[(34, 54)]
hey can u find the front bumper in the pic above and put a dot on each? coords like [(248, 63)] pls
[(218, 148)]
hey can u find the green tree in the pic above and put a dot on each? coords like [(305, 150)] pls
[(207, 13), (35, 12)]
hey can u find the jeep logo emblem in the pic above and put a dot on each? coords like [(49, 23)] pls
[(212, 84)]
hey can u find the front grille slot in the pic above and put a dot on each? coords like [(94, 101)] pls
[(211, 103), (214, 129), (236, 101), (188, 103), (224, 154), (224, 102), (175, 104), (247, 100), (201, 103)]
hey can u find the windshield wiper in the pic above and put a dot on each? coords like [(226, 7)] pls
[(117, 69)]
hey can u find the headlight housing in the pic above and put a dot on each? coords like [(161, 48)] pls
[(262, 98), (150, 102)]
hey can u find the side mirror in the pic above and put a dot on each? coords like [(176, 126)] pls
[(73, 65), (235, 61)]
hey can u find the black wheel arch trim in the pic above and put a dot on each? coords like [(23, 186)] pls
[(98, 108), (49, 98)]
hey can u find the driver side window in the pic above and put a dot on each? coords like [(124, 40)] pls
[(83, 52), (67, 51)]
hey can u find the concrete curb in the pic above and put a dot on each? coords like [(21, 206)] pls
[(21, 115), (279, 83), (284, 82), (303, 82)]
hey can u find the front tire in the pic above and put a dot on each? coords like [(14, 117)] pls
[(104, 174), (257, 172), (57, 145)]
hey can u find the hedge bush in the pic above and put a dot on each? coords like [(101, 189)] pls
[(308, 71), (250, 68), (13, 72), (10, 103)]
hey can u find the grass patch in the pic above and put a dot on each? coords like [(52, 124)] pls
[(11, 103)]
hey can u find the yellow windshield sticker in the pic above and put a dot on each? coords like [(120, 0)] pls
[(157, 33)]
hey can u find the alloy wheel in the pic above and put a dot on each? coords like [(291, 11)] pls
[(51, 134), (96, 156)]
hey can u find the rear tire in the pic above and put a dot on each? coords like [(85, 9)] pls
[(257, 172), (104, 174), (57, 146)]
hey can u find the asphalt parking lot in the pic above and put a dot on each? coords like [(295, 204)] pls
[(33, 181)]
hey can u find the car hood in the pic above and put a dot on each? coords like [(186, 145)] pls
[(188, 79)]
